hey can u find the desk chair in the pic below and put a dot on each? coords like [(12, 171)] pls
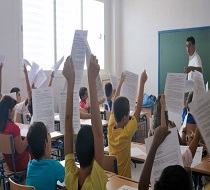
[(110, 163), (7, 147), (2, 169), (14, 186)]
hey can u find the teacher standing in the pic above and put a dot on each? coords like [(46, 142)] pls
[(195, 63)]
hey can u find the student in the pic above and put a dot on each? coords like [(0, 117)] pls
[(89, 145), (109, 95), (8, 127), (121, 129), (43, 172), (1, 65), (83, 94), (172, 177)]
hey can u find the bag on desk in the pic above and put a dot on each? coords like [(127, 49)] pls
[(148, 101)]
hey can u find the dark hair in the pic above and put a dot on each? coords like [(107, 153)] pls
[(85, 146), (37, 137), (108, 89), (173, 178), (157, 114), (15, 89), (191, 39), (82, 91), (6, 104), (30, 106), (121, 108)]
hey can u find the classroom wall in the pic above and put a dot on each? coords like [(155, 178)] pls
[(140, 22)]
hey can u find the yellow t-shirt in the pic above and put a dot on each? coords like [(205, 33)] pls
[(96, 180), (120, 144), (208, 187)]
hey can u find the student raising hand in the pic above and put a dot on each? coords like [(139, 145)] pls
[(68, 70)]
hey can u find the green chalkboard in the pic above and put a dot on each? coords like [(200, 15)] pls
[(173, 56)]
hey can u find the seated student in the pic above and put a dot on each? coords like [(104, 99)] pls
[(109, 95), (89, 144), (121, 129), (43, 172), (8, 127), (1, 65), (172, 177)]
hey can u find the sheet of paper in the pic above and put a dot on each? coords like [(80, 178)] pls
[(174, 92), (200, 110), (183, 125), (43, 107), (168, 153), (137, 152), (26, 63), (56, 66), (199, 87), (151, 122), (88, 53), (62, 111), (129, 88), (2, 58), (23, 132), (12, 94), (114, 81), (106, 149), (40, 78), (125, 187), (76, 113), (198, 155), (189, 86), (207, 86), (32, 74)]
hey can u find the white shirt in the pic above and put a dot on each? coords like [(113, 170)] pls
[(194, 61), (21, 108)]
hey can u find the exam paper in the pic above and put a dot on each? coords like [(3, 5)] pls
[(129, 88), (12, 94), (114, 81), (189, 86), (200, 109), (26, 63), (40, 78), (207, 86), (174, 92), (43, 107), (137, 152), (199, 87), (32, 74), (125, 187), (62, 111), (168, 153), (2, 58), (56, 66), (198, 155)]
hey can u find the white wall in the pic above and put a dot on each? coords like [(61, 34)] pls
[(140, 22)]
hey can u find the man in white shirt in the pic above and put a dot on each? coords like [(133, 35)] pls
[(195, 63)]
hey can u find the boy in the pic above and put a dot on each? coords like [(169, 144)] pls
[(121, 129), (89, 145), (109, 95), (43, 172)]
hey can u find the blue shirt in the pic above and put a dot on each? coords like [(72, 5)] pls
[(110, 105), (44, 174), (190, 118)]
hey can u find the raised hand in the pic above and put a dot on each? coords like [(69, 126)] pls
[(94, 67), (68, 70)]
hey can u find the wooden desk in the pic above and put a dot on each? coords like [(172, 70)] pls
[(139, 158), (203, 167)]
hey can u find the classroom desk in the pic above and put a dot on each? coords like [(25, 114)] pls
[(82, 121), (135, 156), (203, 168), (24, 130)]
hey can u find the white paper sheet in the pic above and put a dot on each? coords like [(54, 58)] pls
[(40, 78), (174, 92), (56, 66), (43, 107), (12, 94), (23, 132), (189, 86), (198, 155), (168, 153), (114, 81), (26, 63), (125, 187), (32, 74), (137, 152), (62, 111), (2, 58), (199, 87), (151, 122), (76, 113), (207, 86), (200, 109), (183, 125), (129, 88)]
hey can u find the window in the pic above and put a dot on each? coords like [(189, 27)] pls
[(49, 25)]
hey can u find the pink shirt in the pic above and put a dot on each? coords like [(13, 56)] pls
[(187, 158)]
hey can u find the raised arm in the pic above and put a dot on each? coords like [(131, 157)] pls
[(28, 87), (51, 79), (93, 72), (191, 68), (1, 65), (68, 73), (163, 116), (117, 93), (140, 96), (194, 143), (160, 134)]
